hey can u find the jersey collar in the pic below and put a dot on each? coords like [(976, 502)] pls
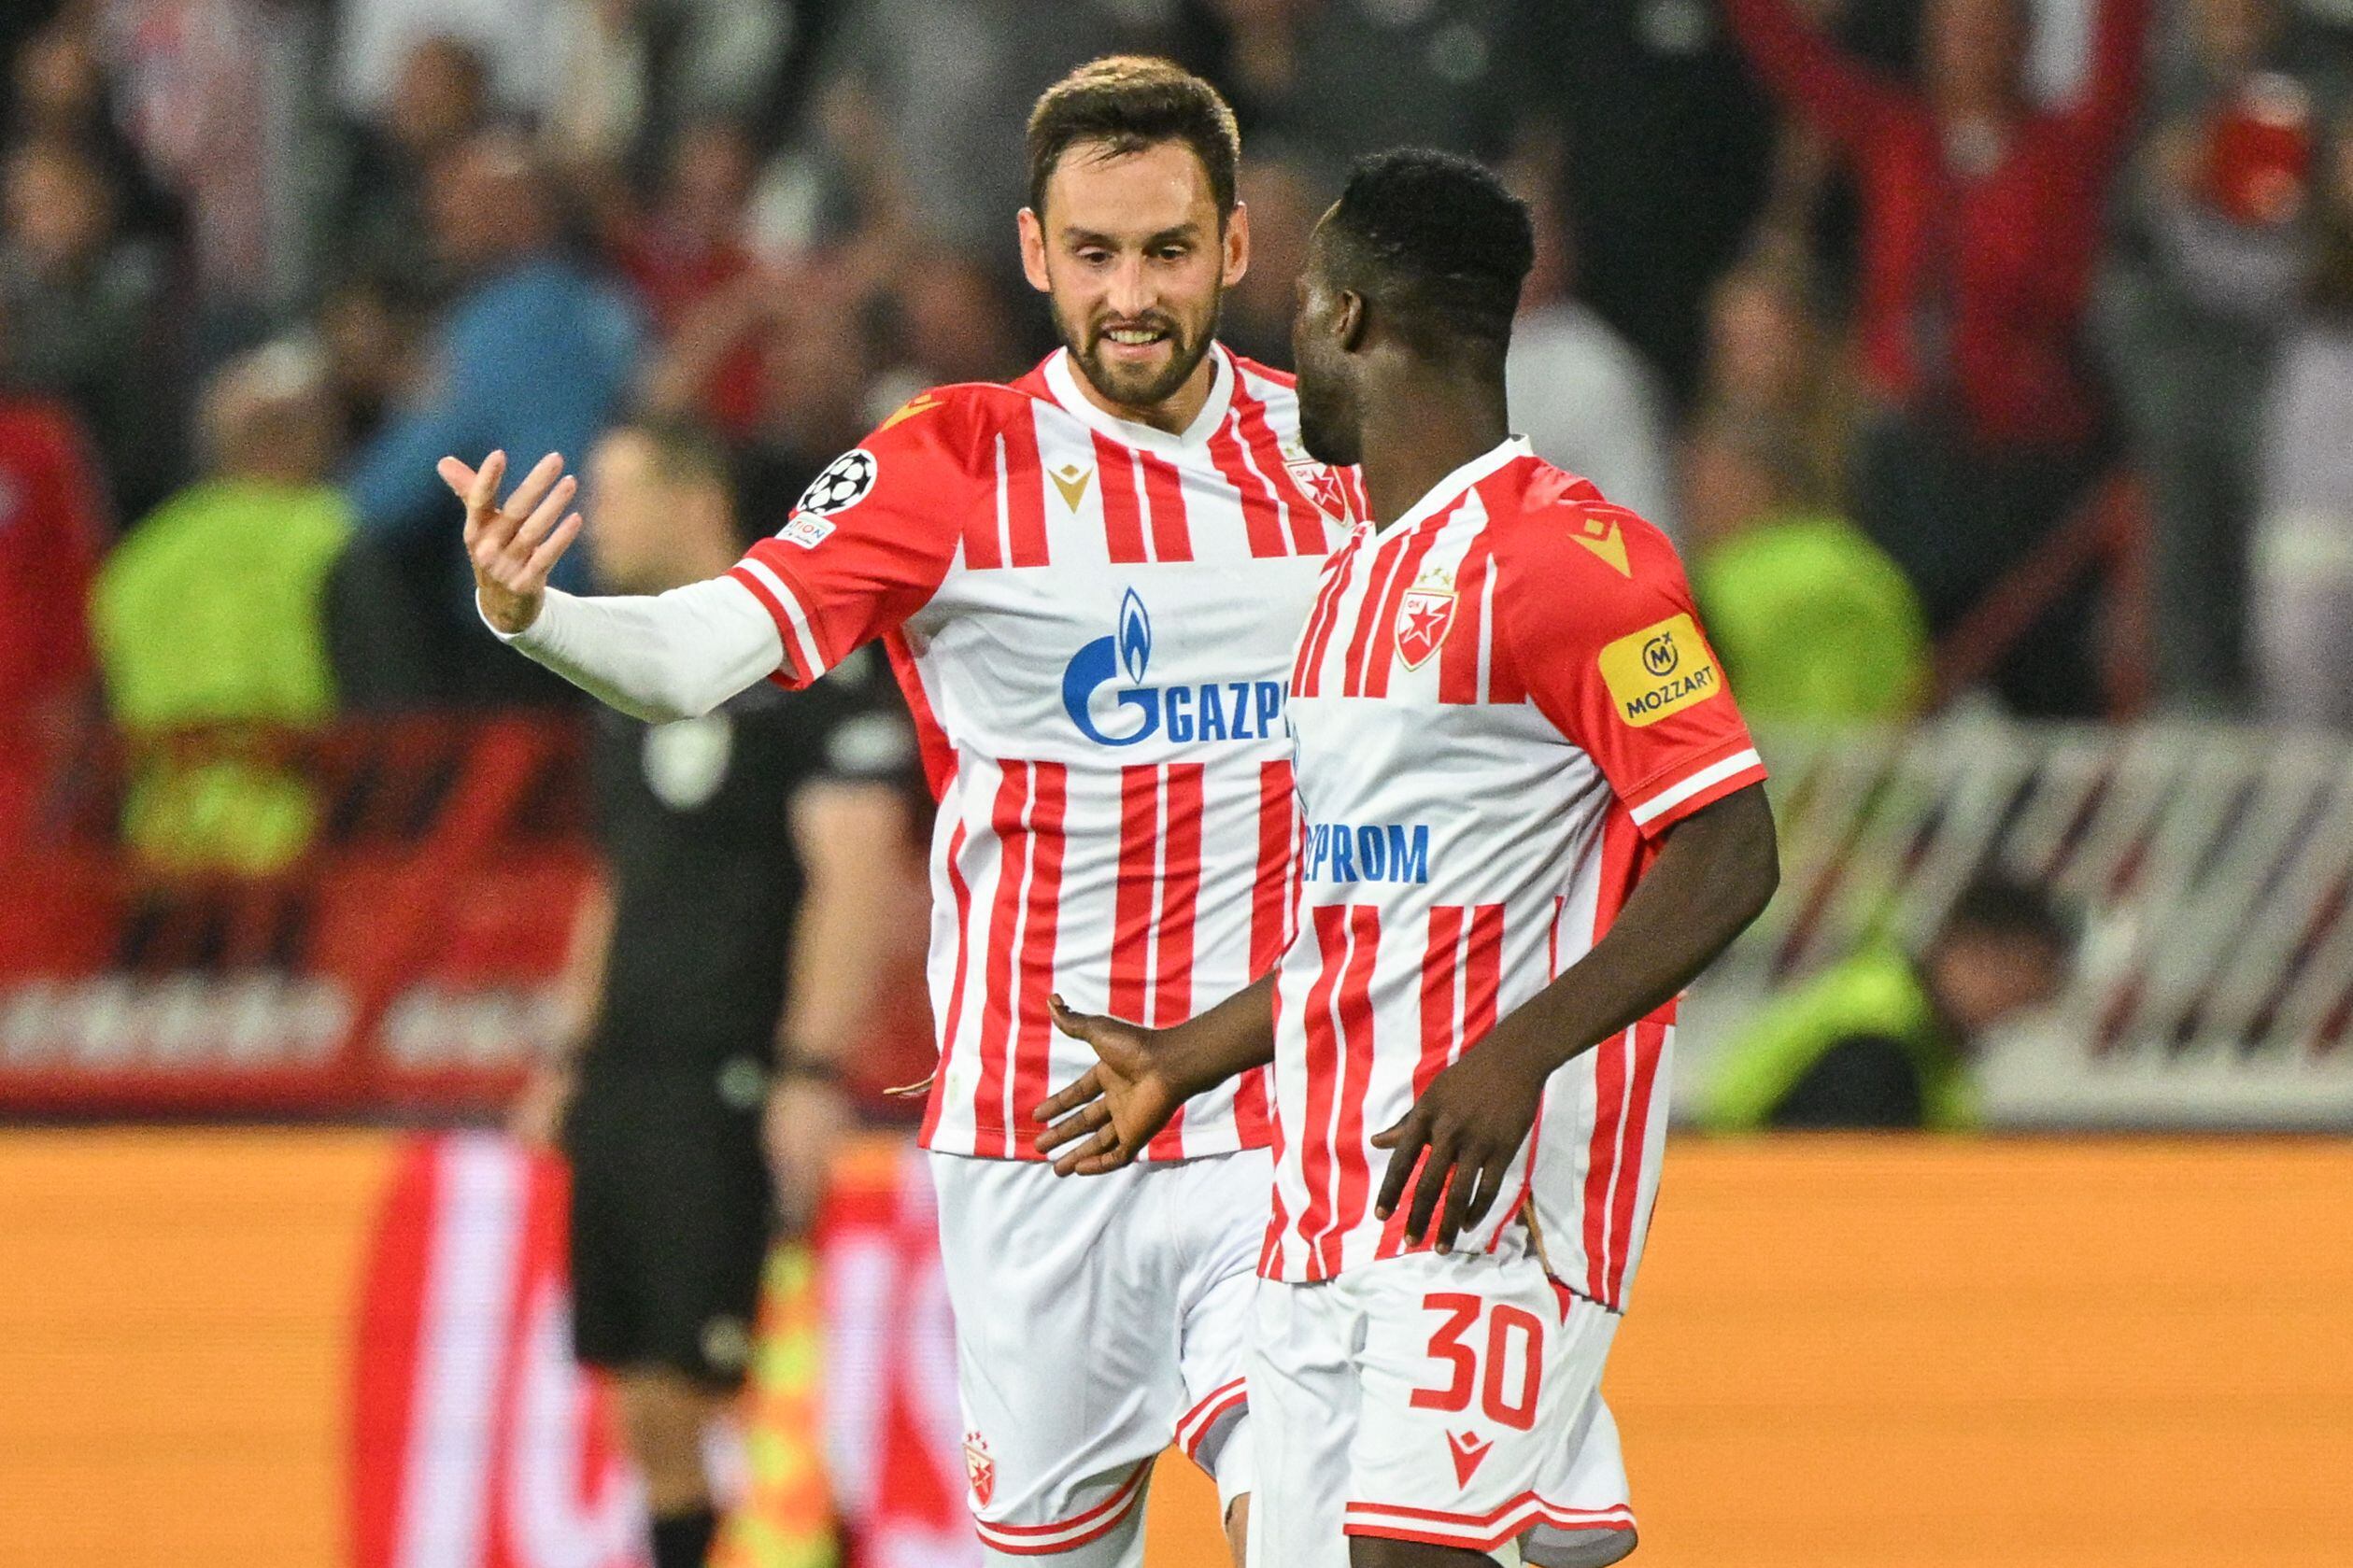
[(1062, 381), (1443, 495)]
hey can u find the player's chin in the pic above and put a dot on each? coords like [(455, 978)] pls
[(1140, 381)]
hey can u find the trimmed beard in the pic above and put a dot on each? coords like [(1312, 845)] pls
[(1183, 360)]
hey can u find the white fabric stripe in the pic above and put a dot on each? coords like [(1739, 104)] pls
[(1617, 1156), (476, 1216), (1487, 631), (806, 660), (1026, 1541), (1142, 493), (1004, 507), (1676, 793), (1159, 898)]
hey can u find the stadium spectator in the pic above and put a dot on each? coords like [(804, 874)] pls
[(1981, 221), (2302, 610), (1771, 360), (2208, 266), (88, 317), (1580, 393), (534, 355), (53, 525), (377, 224), (733, 961), (213, 612), (695, 274), (58, 88), (1885, 1039), (638, 78), (1667, 143), (1814, 624), (945, 87), (1283, 205)]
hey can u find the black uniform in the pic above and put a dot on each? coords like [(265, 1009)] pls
[(670, 1197)]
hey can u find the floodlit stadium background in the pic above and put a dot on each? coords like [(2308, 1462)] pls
[(2030, 550)]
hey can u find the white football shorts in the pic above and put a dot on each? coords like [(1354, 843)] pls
[(1098, 1319), (1453, 1400)]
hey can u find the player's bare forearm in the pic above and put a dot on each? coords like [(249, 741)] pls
[(1713, 875), (1142, 1076)]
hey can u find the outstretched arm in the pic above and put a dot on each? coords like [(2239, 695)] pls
[(1142, 1076), (1823, 84), (1713, 875), (654, 657)]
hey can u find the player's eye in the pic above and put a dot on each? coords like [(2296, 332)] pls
[(1175, 252), (1094, 256)]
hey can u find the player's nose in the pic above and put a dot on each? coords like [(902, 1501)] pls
[(1130, 292)]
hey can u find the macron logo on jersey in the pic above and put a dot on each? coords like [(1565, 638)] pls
[(1212, 710), (1369, 852)]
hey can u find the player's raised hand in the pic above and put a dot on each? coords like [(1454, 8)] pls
[(1462, 1134), (1104, 1121), (514, 546)]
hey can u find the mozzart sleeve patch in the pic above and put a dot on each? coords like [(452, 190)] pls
[(1659, 670)]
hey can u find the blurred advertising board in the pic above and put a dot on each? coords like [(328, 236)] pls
[(318, 1349)]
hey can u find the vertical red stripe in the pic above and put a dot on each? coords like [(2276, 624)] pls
[(1035, 1046), (1308, 675), (1384, 568), (938, 754), (1253, 1122), (1131, 900), (982, 550), (1180, 898), (1025, 490), (1173, 946), (1648, 1045), (1484, 976), (963, 896), (1123, 522), (1384, 642), (1458, 660), (1601, 1158), (1164, 493), (1441, 962), (1261, 519), (1356, 1046), (1323, 1066), (1307, 520), (1270, 889), (997, 982)]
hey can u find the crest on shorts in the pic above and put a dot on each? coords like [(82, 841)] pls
[(1426, 614), (979, 1468)]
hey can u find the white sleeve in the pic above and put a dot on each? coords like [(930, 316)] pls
[(656, 657)]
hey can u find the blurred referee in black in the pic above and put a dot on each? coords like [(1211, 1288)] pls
[(717, 979)]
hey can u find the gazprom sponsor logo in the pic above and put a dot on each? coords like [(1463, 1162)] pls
[(1137, 710), (1368, 852)]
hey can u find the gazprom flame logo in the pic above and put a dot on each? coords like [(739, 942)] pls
[(1135, 637), (1210, 711), (1103, 659)]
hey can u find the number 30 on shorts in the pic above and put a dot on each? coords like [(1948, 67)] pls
[(1513, 1341)]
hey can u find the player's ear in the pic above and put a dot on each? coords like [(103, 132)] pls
[(1348, 320), (1033, 252), (1236, 244)]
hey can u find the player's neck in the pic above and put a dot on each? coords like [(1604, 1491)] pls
[(1418, 429), (1173, 413)]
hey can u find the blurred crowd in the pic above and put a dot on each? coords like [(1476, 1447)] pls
[(1962, 343)]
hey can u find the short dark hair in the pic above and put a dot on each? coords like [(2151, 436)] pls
[(684, 450), (1438, 239), (1127, 103), (2000, 905)]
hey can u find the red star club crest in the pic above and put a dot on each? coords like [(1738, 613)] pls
[(981, 1468), (1424, 617), (1323, 484)]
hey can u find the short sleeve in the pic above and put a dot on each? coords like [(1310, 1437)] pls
[(1601, 627), (874, 536)]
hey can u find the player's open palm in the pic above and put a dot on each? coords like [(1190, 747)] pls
[(1104, 1121), (514, 546)]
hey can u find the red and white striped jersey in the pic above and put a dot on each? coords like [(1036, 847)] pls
[(1093, 622), (1501, 701)]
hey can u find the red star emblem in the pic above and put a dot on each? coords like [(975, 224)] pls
[(1425, 615)]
